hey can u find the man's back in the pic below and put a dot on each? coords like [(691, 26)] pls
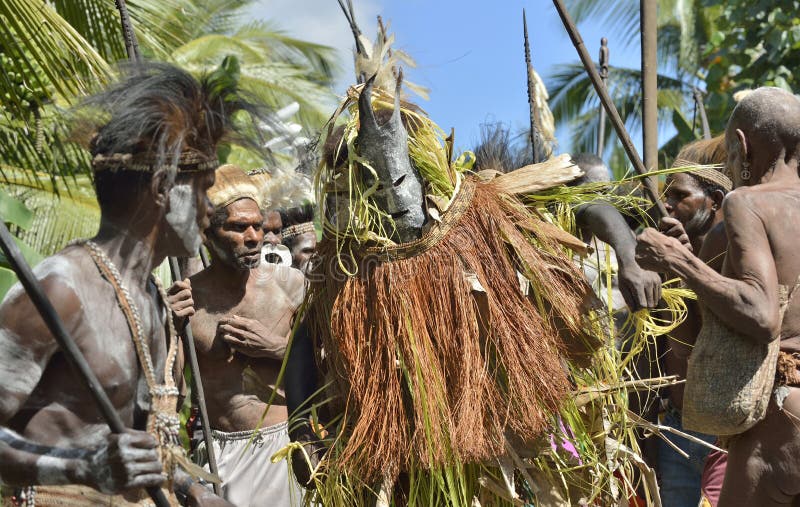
[(777, 206)]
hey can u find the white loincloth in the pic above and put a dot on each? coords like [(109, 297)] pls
[(249, 478)]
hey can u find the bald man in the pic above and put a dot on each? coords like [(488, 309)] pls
[(762, 221)]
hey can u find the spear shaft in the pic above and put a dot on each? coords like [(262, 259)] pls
[(649, 30), (131, 45), (197, 380), (534, 121), (601, 129), (608, 104), (68, 347), (698, 100)]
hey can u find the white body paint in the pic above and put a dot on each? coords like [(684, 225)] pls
[(16, 380), (51, 470), (182, 216), (282, 251)]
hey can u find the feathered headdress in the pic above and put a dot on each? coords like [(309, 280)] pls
[(231, 184), (158, 115), (281, 187)]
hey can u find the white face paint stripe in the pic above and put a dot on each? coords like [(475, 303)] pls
[(182, 216)]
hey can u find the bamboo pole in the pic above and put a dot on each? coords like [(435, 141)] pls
[(648, 23), (65, 342), (601, 129), (608, 104)]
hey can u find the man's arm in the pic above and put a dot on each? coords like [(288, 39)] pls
[(251, 338), (747, 300), (640, 288), (129, 460)]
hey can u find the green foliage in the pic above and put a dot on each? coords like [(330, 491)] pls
[(682, 30), (53, 52), (754, 43), (17, 217)]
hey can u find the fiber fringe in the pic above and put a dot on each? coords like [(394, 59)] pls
[(412, 399)]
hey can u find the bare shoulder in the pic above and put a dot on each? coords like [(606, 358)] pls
[(63, 278), (26, 344), (287, 280)]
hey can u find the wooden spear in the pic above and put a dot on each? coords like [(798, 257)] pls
[(601, 128), (608, 104), (131, 45), (701, 107), (68, 347), (534, 111), (175, 271)]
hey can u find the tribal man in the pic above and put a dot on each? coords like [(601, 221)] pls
[(300, 236), (694, 202), (762, 221), (153, 160), (243, 318)]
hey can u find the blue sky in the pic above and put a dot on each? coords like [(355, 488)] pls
[(469, 53)]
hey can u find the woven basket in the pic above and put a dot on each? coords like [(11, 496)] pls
[(729, 378)]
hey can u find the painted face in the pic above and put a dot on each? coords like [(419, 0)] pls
[(190, 210), (303, 248), (686, 201), (237, 242), (272, 228)]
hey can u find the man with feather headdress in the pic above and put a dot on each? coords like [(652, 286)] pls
[(244, 314)]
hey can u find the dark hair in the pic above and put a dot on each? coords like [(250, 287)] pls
[(496, 150), (295, 216), (150, 117), (298, 215), (595, 170)]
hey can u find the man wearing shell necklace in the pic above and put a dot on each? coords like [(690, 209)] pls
[(153, 158)]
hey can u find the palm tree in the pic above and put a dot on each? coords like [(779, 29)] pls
[(52, 52), (683, 29)]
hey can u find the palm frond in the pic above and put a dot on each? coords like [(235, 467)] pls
[(48, 50), (61, 213), (621, 16), (575, 103)]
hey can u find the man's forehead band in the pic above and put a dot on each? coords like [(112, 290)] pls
[(298, 229), (189, 161)]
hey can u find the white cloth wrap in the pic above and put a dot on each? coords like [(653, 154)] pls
[(249, 478)]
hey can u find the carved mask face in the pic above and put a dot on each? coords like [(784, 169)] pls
[(399, 187)]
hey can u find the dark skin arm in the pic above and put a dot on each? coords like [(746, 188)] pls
[(300, 382), (640, 288), (746, 299), (121, 462), (251, 338)]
